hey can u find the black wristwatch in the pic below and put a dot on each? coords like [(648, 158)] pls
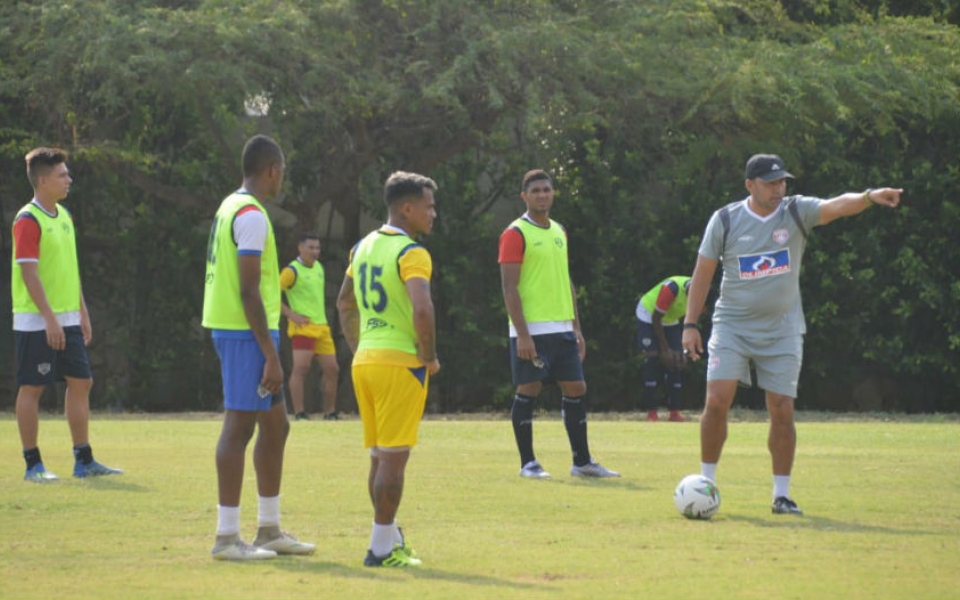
[(690, 326)]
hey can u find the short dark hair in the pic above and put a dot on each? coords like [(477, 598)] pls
[(309, 235), (259, 154), (535, 175), (402, 185), (41, 160)]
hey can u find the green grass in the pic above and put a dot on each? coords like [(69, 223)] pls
[(881, 501)]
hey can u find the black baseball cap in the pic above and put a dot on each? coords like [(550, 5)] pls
[(768, 167)]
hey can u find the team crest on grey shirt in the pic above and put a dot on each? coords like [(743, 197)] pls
[(781, 236), (753, 266)]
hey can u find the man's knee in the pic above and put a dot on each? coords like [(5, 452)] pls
[(717, 403), (573, 389), (238, 427), (79, 385), (530, 389), (329, 367), (780, 408), (299, 370), (30, 393), (393, 459)]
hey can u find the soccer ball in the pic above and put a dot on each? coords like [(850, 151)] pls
[(697, 497)]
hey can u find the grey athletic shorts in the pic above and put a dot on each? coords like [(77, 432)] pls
[(777, 360)]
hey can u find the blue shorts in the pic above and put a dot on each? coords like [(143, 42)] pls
[(560, 357), (39, 364), (241, 367)]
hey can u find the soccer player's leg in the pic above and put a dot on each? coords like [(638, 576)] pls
[(241, 367), (650, 370), (778, 364), (326, 354), (34, 372), (674, 376), (728, 365), (527, 378), (302, 353), (562, 354), (273, 430), (399, 402)]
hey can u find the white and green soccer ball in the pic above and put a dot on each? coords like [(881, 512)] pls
[(697, 497)]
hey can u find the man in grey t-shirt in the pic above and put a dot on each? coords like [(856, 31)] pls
[(759, 316)]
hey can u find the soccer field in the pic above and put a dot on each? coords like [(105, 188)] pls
[(880, 500)]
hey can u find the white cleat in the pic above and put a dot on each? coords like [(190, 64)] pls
[(592, 469), (533, 470)]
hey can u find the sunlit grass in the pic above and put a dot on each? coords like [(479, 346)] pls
[(880, 498)]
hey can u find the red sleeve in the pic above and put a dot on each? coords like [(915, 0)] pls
[(26, 234), (668, 293), (511, 246), (247, 209)]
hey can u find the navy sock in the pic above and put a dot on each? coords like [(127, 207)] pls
[(32, 457), (674, 389), (83, 454), (574, 414), (651, 379), (522, 416)]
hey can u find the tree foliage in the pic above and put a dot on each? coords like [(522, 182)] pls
[(645, 112)]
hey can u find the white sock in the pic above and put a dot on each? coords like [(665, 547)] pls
[(709, 470), (381, 539), (397, 536), (228, 520), (269, 511), (781, 486)]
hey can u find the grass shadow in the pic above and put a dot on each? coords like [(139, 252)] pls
[(112, 483), (623, 483), (299, 565), (824, 524)]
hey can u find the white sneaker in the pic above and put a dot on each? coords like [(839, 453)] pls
[(533, 470), (240, 550), (592, 469), (285, 544)]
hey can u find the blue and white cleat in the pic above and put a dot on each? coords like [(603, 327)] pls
[(93, 469), (38, 474)]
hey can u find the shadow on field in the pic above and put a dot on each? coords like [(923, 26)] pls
[(823, 523), (622, 483), (427, 573), (112, 484)]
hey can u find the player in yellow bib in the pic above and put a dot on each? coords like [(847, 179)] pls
[(659, 328), (241, 307), (545, 338), (388, 321), (303, 282), (50, 320)]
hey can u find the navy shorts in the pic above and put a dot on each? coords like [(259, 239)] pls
[(560, 357), (648, 342), (39, 364)]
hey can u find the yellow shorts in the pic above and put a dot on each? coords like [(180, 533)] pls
[(311, 337), (391, 400)]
